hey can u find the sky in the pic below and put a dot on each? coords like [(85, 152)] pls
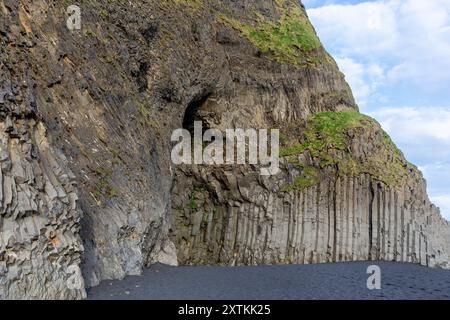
[(395, 55)]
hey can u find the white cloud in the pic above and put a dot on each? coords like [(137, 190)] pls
[(357, 29), (409, 124), (410, 37), (397, 52), (439, 175), (443, 202), (424, 135), (363, 79)]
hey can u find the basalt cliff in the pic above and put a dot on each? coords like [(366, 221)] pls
[(88, 190)]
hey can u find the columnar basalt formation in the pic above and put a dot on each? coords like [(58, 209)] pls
[(312, 212), (86, 118), (40, 218)]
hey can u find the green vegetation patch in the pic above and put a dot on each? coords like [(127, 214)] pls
[(148, 119), (328, 130), (186, 6), (103, 186), (309, 177), (192, 203), (194, 196), (290, 40), (327, 138)]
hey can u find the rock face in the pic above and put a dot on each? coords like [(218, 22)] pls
[(85, 123), (235, 217), (40, 218)]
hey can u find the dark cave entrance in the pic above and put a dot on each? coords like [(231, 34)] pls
[(192, 113)]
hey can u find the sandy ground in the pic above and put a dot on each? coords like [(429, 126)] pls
[(322, 281)]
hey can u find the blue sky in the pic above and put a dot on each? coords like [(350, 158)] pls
[(396, 56)]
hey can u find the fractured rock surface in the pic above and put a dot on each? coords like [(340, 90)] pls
[(346, 196), (249, 222), (40, 245), (85, 123)]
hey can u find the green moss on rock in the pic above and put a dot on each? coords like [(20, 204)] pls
[(103, 188), (309, 177), (328, 129), (290, 40), (188, 6), (148, 119), (328, 138)]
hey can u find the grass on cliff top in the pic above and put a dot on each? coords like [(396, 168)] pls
[(327, 131), (290, 40)]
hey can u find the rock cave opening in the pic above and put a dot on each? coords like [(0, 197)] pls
[(193, 113)]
